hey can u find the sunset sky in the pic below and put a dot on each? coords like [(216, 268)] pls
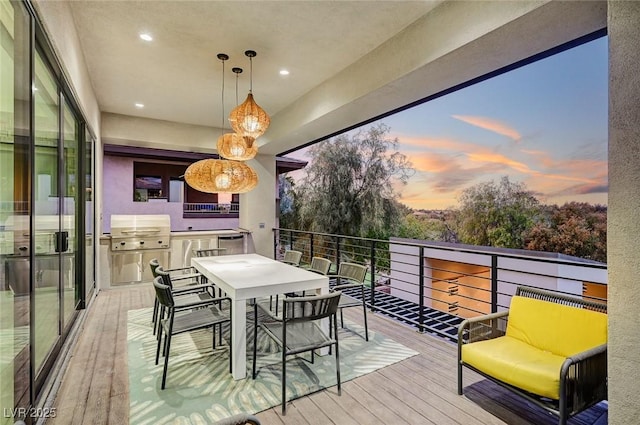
[(544, 124)]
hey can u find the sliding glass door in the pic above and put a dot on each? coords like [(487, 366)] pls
[(47, 214), (46, 211), (15, 206)]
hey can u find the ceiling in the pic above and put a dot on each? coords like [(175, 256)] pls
[(349, 61), (178, 77)]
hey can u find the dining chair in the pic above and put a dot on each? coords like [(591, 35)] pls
[(187, 317), (188, 274), (296, 331), (153, 265), (292, 258), (209, 252), (185, 294), (318, 265), (354, 275)]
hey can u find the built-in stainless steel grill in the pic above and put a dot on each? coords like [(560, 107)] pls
[(136, 239), (138, 232)]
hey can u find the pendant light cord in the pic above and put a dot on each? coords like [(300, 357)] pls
[(222, 97)]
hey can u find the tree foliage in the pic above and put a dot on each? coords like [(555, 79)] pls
[(575, 228), (496, 214), (350, 187)]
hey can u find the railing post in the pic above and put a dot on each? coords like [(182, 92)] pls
[(373, 275), (276, 236), (494, 283), (290, 239), (338, 251), (421, 290), (311, 251)]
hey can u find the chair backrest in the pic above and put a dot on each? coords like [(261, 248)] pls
[(305, 309), (353, 271), (163, 292), (320, 265), (166, 278), (154, 264), (209, 252), (292, 257)]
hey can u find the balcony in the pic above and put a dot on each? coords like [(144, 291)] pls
[(418, 390), (210, 210)]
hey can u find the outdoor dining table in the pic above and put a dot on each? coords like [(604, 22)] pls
[(247, 276)]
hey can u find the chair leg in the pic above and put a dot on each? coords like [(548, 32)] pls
[(255, 340), (338, 362), (166, 359), (159, 337), (159, 317), (459, 377), (366, 328), (284, 381), (154, 317), (341, 319)]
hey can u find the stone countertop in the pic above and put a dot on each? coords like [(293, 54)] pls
[(198, 233)]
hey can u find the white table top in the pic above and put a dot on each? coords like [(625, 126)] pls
[(245, 276)]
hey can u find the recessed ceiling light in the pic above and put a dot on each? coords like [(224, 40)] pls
[(139, 105), (284, 72), (146, 37)]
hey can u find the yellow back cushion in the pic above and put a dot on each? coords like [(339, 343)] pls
[(557, 328)]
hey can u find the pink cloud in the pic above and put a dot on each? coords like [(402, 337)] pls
[(491, 125)]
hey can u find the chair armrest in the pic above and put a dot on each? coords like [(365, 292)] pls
[(267, 311), (346, 285), (185, 277), (341, 277), (480, 328), (202, 303), (192, 288), (179, 269), (583, 378)]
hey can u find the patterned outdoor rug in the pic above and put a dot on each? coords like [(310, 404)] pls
[(201, 390)]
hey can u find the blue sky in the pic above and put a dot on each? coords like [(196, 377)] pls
[(544, 124)]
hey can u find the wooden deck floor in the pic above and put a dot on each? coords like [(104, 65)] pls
[(419, 390)]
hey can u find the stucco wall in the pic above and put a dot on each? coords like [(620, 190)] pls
[(118, 195), (624, 204)]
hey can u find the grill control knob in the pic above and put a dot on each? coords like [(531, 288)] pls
[(141, 242), (122, 243), (160, 242)]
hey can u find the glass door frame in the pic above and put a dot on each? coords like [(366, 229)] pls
[(40, 44)]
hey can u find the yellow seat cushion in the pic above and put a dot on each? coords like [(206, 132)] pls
[(557, 328), (516, 363)]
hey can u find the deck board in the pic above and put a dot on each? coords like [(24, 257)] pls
[(421, 389)]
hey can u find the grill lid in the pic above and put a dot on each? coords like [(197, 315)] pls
[(138, 232)]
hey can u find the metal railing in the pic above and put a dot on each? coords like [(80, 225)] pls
[(208, 209), (434, 286)]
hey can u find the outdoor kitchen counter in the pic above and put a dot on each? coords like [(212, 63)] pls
[(180, 243)]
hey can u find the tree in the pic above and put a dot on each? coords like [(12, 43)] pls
[(496, 214), (576, 228), (350, 185)]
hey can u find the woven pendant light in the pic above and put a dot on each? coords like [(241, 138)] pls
[(233, 146), (249, 119), (221, 176)]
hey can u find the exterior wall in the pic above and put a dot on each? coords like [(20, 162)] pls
[(460, 282), (258, 207), (118, 191), (624, 203)]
